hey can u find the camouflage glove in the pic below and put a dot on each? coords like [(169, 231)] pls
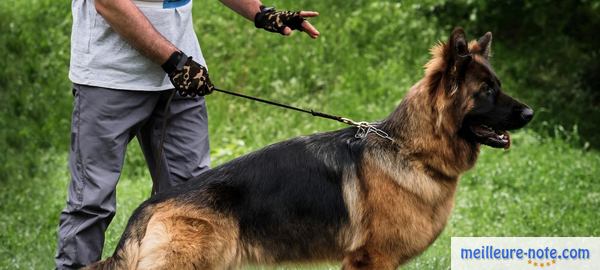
[(275, 21), (188, 77)]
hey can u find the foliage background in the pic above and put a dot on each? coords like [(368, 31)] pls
[(546, 52)]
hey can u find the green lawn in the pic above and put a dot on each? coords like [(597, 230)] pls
[(547, 184), (541, 187)]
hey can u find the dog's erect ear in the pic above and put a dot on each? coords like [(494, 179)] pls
[(485, 44), (458, 51)]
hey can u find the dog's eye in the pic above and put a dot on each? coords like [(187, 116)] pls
[(488, 90)]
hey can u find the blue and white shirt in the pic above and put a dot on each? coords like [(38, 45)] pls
[(100, 57)]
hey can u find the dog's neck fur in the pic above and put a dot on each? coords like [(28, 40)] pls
[(425, 131), (427, 121)]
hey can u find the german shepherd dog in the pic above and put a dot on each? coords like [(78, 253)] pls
[(368, 202)]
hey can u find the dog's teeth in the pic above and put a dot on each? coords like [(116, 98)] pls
[(501, 136)]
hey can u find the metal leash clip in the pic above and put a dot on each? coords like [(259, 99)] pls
[(364, 128)]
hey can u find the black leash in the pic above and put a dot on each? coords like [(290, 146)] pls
[(161, 144), (364, 128), (313, 113)]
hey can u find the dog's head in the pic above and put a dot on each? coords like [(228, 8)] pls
[(472, 89)]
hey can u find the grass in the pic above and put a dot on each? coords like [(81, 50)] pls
[(545, 185), (540, 187)]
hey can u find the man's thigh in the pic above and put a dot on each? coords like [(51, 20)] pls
[(104, 121)]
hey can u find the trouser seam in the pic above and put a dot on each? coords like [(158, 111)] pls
[(81, 167)]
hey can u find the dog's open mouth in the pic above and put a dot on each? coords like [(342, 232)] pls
[(491, 137)]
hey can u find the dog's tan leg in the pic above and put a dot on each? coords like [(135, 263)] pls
[(178, 238), (367, 259)]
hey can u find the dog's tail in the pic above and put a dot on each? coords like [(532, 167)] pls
[(127, 252)]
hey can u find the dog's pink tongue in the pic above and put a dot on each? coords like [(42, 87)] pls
[(507, 136)]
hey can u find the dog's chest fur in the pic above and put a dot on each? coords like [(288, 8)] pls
[(400, 205)]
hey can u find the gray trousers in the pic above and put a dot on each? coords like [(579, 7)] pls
[(104, 121)]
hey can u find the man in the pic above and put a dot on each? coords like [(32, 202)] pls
[(126, 59)]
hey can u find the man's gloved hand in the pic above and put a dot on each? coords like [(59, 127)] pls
[(277, 21), (189, 77)]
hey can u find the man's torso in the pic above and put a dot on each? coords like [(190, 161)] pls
[(100, 57)]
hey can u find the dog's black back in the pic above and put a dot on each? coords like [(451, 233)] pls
[(289, 192)]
